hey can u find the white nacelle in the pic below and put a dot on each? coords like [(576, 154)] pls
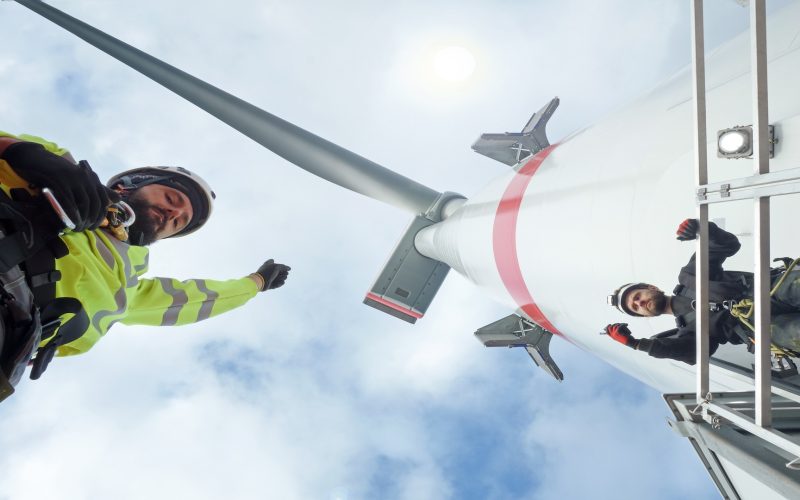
[(602, 207)]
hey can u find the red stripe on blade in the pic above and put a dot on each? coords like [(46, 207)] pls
[(504, 238), (394, 306)]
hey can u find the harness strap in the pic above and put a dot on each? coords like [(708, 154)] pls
[(684, 291), (41, 273), (46, 278), (34, 245), (688, 318), (42, 277), (684, 319), (11, 252), (59, 334), (32, 228)]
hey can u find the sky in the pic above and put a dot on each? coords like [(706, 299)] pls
[(305, 392)]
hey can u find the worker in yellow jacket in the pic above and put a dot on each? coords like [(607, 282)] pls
[(84, 280)]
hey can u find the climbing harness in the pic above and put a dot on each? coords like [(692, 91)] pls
[(30, 313), (744, 309)]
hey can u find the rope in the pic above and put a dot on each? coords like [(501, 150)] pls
[(744, 309)]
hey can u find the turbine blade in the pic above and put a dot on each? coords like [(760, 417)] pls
[(306, 150)]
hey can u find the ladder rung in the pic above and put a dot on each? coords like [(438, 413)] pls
[(755, 186)]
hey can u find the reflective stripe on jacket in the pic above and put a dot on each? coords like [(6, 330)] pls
[(105, 275)]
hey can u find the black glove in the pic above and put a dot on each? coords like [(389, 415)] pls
[(76, 187), (274, 275), (688, 229)]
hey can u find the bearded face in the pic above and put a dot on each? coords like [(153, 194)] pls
[(161, 212), (659, 303), (143, 231), (648, 301)]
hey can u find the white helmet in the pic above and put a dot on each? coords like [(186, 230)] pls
[(192, 185), (617, 297)]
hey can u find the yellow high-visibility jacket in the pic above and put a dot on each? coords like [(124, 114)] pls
[(105, 275)]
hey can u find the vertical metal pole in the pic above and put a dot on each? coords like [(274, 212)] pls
[(701, 173), (761, 230)]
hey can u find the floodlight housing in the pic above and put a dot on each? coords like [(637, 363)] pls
[(737, 142)]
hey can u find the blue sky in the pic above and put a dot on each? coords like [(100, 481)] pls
[(305, 392)]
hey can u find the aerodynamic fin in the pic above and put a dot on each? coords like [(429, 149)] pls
[(513, 148)]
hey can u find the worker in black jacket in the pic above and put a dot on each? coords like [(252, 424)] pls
[(725, 289)]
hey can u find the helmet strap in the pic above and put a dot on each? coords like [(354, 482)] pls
[(130, 183)]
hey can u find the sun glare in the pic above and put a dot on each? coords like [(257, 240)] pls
[(454, 63)]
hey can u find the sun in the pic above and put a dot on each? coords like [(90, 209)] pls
[(454, 63)]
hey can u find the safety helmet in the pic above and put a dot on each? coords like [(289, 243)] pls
[(617, 297), (192, 185)]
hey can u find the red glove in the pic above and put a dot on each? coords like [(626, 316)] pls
[(688, 230), (621, 333)]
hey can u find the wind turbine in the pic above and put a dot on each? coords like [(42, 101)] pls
[(538, 238)]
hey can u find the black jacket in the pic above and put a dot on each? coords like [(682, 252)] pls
[(679, 343)]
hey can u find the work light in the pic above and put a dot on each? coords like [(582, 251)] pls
[(737, 142)]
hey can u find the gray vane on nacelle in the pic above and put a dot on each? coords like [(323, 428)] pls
[(512, 148), (409, 280), (516, 331)]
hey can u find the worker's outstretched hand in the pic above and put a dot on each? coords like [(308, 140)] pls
[(76, 187), (688, 230), (273, 275), (621, 333)]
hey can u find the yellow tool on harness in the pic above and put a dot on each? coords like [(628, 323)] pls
[(119, 217)]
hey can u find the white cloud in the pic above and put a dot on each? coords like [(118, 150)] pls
[(306, 393)]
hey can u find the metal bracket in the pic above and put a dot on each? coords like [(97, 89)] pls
[(782, 366), (435, 212), (702, 194), (516, 331), (512, 148)]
